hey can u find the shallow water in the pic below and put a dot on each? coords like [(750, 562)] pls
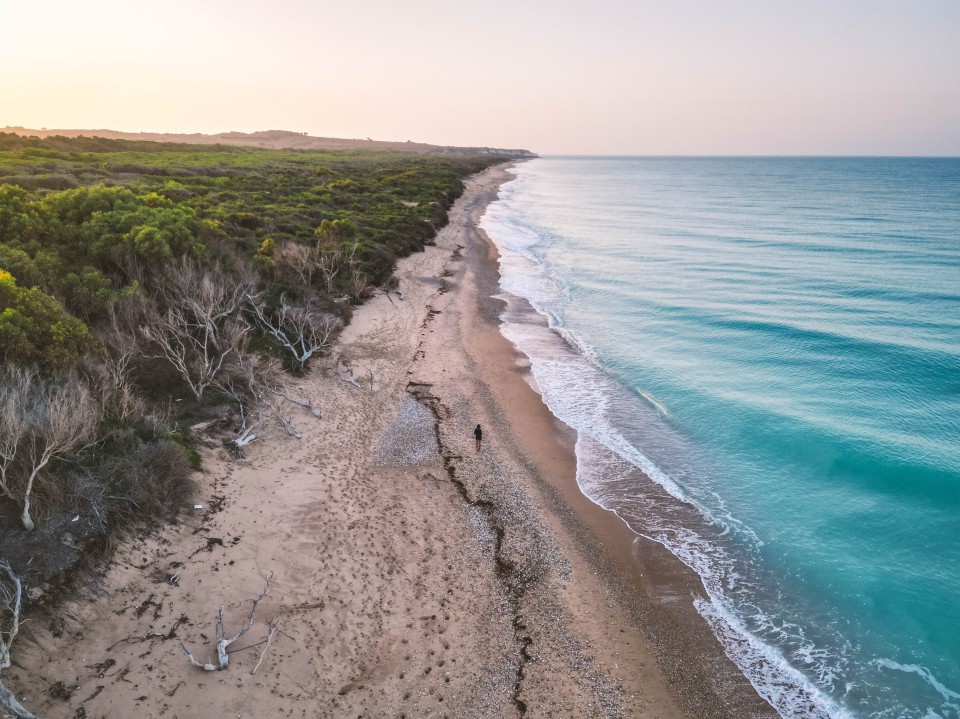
[(776, 343)]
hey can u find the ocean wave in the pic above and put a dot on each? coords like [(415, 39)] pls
[(787, 690), (951, 698)]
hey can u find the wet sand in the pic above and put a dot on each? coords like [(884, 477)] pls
[(410, 575)]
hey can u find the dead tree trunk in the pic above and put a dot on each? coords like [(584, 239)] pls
[(10, 595), (249, 382), (40, 420)]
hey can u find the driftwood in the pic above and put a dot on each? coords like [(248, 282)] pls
[(248, 431), (223, 657), (274, 627), (349, 378), (11, 594), (286, 424), (308, 406)]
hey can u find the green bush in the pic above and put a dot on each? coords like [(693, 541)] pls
[(36, 330)]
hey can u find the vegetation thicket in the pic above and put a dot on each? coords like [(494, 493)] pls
[(133, 274)]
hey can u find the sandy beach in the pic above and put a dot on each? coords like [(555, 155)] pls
[(410, 575)]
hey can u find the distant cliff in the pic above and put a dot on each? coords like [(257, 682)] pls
[(275, 139)]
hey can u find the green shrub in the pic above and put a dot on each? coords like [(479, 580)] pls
[(36, 330)]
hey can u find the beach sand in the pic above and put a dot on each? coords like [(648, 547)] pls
[(410, 575)]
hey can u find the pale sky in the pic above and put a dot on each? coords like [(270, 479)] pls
[(874, 77)]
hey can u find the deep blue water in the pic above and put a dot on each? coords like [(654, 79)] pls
[(775, 342)]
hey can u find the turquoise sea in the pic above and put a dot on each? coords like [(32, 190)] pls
[(761, 358)]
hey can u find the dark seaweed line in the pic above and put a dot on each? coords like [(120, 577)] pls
[(505, 569)]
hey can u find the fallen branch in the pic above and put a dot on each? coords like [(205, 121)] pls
[(223, 657), (242, 441), (308, 406), (274, 626), (349, 378), (286, 424), (248, 432)]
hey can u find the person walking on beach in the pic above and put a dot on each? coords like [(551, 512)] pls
[(478, 435)]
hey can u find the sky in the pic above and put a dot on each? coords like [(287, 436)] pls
[(674, 77)]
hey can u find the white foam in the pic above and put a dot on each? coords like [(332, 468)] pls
[(787, 690), (950, 697)]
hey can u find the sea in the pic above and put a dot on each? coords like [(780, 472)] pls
[(761, 360)]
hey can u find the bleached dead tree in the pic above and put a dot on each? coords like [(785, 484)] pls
[(199, 326), (11, 594), (223, 657), (302, 330), (242, 383), (117, 333), (111, 370), (250, 420), (329, 265), (16, 390), (297, 263), (40, 420), (251, 383)]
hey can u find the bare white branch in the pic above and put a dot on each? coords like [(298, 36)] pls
[(200, 327), (11, 594), (274, 628), (223, 657), (40, 420), (346, 375), (302, 330)]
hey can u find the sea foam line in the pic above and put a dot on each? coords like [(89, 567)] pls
[(950, 697), (785, 688)]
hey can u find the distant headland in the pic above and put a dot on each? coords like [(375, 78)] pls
[(274, 139)]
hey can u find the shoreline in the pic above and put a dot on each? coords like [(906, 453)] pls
[(702, 679), (410, 575)]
